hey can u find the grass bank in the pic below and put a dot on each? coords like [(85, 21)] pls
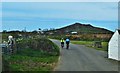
[(39, 54), (90, 43)]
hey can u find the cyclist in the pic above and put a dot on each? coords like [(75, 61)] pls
[(67, 43), (62, 43)]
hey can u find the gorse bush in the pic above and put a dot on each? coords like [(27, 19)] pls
[(38, 44), (80, 38)]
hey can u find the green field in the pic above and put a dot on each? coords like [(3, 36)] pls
[(90, 43)]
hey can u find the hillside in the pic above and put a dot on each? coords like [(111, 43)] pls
[(81, 29)]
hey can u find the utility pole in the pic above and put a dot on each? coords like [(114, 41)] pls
[(25, 32)]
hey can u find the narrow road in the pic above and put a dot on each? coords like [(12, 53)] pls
[(81, 58)]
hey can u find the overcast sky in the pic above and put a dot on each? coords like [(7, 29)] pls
[(34, 15)]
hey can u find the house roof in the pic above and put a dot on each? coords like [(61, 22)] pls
[(119, 31)]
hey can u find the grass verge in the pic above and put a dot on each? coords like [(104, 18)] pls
[(90, 43), (28, 59)]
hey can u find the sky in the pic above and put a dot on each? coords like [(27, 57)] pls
[(46, 15), (60, 0)]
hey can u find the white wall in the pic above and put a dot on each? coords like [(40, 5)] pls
[(113, 47), (119, 48)]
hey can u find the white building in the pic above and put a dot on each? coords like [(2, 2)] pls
[(113, 47), (74, 32)]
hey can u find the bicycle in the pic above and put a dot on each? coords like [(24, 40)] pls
[(62, 45), (67, 46)]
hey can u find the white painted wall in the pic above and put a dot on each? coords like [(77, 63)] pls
[(113, 47), (119, 48)]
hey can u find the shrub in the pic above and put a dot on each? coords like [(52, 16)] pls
[(41, 44)]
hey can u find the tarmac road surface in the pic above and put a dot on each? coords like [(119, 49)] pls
[(82, 58)]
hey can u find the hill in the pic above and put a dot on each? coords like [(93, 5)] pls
[(81, 29)]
